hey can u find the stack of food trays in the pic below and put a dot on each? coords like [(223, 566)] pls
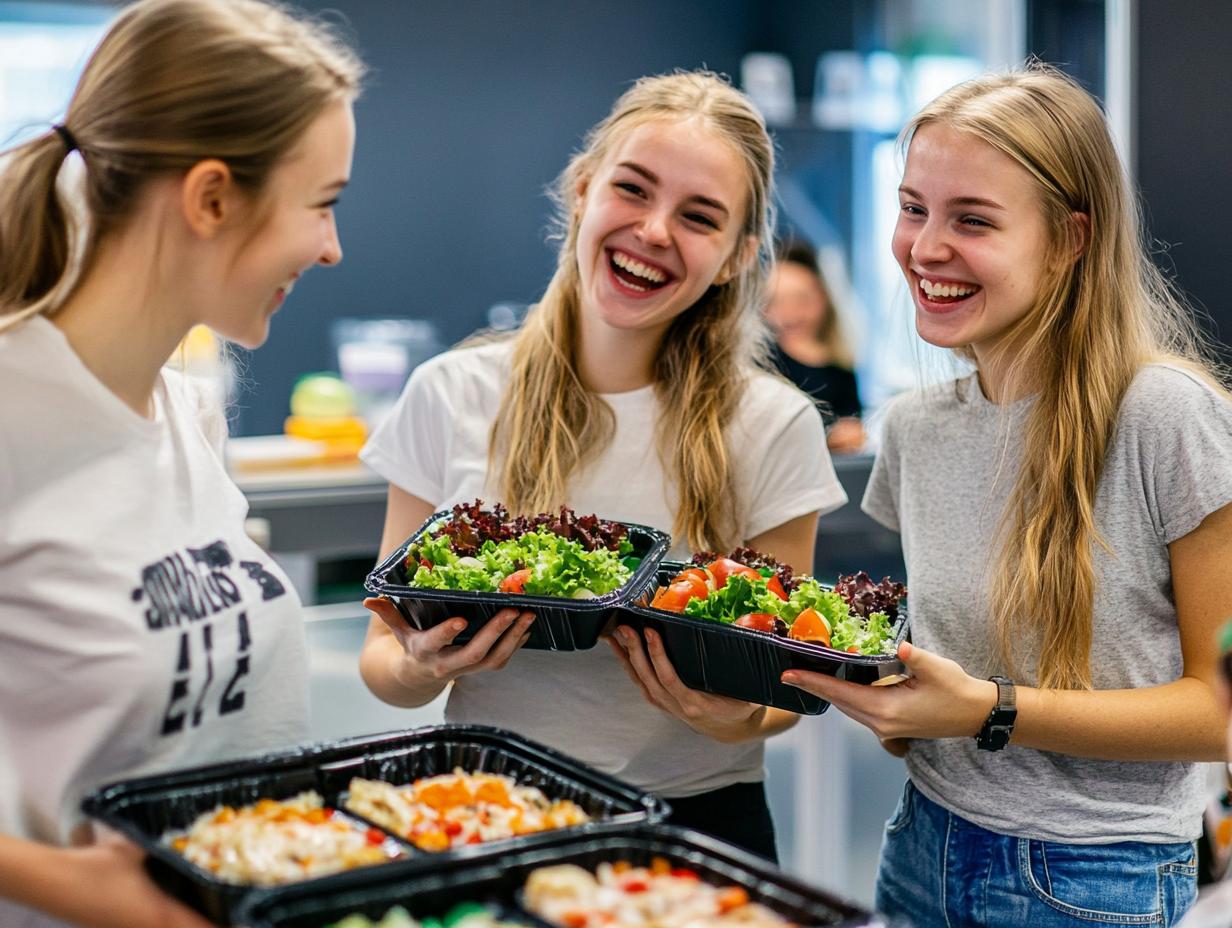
[(746, 663), (562, 623), (302, 815), (633, 877)]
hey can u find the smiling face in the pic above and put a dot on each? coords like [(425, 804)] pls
[(971, 240), (294, 229), (797, 305), (662, 219)]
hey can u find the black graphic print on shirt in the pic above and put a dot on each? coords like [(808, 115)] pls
[(190, 590)]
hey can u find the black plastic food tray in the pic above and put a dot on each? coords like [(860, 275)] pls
[(560, 624), (147, 808), (744, 664), (498, 878)]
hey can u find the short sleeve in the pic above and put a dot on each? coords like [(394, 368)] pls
[(408, 447), (795, 475), (205, 400), (881, 494), (1179, 428)]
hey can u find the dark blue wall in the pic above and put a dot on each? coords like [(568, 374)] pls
[(473, 108)]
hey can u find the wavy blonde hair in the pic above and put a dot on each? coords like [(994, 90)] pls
[(549, 425), (173, 82), (1098, 318)]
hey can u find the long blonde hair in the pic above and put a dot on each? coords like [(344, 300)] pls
[(173, 82), (1097, 320), (550, 425)]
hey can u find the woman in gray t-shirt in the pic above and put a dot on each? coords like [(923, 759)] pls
[(1066, 522)]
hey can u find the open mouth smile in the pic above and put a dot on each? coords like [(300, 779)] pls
[(634, 275), (940, 293)]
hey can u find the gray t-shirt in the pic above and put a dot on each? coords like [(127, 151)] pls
[(947, 464)]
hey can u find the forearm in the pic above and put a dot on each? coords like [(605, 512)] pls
[(1178, 721), (777, 721), (30, 872), (383, 665)]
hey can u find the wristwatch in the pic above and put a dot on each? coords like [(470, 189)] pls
[(1000, 722)]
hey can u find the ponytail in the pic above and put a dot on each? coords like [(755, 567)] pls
[(36, 230)]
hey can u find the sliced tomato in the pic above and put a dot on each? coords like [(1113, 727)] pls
[(673, 597), (758, 621), (516, 581), (776, 586), (725, 567), (697, 578), (810, 626)]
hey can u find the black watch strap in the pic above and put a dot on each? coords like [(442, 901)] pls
[(1000, 722)]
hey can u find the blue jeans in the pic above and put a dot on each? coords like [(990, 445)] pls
[(941, 871)]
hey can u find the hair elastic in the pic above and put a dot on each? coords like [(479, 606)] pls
[(70, 143)]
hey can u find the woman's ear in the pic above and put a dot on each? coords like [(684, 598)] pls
[(208, 197), (1080, 230), (739, 262)]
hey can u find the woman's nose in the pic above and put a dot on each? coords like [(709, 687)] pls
[(331, 254), (654, 229), (931, 244)]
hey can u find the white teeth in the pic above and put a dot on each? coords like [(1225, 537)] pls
[(945, 290), (633, 266)]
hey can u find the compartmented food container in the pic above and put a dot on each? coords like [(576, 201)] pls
[(728, 660), (500, 880), (150, 809), (560, 624)]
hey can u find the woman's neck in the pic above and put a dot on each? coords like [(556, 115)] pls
[(120, 325), (617, 360), (806, 350)]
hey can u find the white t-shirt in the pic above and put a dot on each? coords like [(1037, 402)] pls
[(140, 629), (941, 479), (434, 445)]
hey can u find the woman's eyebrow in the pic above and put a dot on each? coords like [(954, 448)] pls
[(955, 201), (654, 179)]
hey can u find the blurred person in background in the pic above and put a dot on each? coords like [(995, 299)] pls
[(810, 349), (141, 630)]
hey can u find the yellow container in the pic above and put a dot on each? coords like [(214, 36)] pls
[(344, 435)]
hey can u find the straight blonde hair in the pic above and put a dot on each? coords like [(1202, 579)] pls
[(173, 82), (1098, 319), (549, 425)]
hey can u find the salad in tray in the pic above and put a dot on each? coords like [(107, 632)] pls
[(558, 554), (755, 591)]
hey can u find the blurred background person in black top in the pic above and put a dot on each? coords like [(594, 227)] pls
[(809, 346)]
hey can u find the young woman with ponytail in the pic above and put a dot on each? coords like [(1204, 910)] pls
[(1066, 517), (633, 391), (140, 629)]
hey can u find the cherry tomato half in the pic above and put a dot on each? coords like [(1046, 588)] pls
[(516, 581), (725, 567)]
